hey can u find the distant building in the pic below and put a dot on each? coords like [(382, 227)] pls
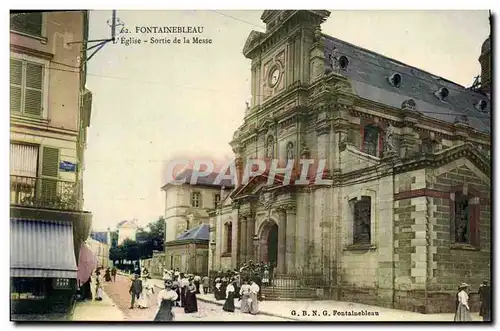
[(189, 251), (101, 252), (187, 219), (127, 230)]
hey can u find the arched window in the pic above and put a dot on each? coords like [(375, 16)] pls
[(228, 229), (270, 147), (362, 221), (290, 151), (371, 140)]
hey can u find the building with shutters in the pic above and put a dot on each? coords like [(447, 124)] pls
[(127, 230), (401, 213), (49, 115)]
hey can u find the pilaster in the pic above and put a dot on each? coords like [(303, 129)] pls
[(290, 237), (282, 241)]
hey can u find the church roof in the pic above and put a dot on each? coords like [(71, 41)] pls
[(200, 232), (369, 73), (210, 180)]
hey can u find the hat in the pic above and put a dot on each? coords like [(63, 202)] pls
[(168, 284), (463, 285)]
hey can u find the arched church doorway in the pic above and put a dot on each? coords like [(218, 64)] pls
[(269, 243)]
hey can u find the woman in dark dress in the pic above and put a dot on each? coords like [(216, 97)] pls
[(230, 295), (166, 299), (224, 281), (190, 303), (176, 289), (217, 289), (107, 275)]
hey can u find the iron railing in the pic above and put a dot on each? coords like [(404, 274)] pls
[(43, 193)]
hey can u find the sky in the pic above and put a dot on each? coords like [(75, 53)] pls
[(155, 103)]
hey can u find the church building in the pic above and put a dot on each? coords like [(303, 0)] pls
[(405, 215)]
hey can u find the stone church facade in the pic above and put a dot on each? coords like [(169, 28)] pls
[(406, 215)]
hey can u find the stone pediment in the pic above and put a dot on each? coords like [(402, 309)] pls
[(254, 187), (253, 39), (467, 151)]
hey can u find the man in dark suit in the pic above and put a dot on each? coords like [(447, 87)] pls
[(485, 301), (135, 290)]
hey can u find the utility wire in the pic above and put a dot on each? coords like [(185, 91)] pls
[(220, 91), (238, 19)]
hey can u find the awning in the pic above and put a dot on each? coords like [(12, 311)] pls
[(42, 249), (87, 263)]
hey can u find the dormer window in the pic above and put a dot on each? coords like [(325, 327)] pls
[(481, 106), (396, 80), (442, 93), (343, 62)]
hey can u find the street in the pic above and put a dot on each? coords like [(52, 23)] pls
[(118, 292)]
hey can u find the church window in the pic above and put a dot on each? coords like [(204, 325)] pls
[(465, 218), (228, 227), (196, 199), (462, 226), (216, 200), (270, 147), (362, 221), (290, 151), (370, 142)]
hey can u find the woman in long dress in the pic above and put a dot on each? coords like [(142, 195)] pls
[(217, 289), (190, 303), (146, 294), (177, 289), (98, 286), (245, 297), (463, 311), (166, 299), (254, 302), (230, 293)]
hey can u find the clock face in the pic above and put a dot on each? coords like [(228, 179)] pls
[(275, 76)]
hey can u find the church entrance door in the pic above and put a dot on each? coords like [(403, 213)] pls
[(269, 243)]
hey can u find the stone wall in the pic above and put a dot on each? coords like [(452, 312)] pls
[(454, 263)]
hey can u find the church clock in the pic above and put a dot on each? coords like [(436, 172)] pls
[(274, 77)]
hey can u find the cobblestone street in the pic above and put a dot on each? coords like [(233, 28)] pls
[(118, 292)]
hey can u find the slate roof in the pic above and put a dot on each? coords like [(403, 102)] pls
[(101, 237), (200, 232), (369, 72), (209, 180)]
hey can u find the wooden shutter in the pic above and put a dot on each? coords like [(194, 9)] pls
[(33, 94), (50, 170), (16, 81)]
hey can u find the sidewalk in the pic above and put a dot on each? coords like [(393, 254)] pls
[(104, 310), (328, 310)]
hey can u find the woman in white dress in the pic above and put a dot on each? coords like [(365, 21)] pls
[(254, 302), (245, 297), (146, 294), (98, 286), (463, 311), (166, 298)]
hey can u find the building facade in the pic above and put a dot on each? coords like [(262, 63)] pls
[(401, 213), (187, 209), (49, 115), (127, 230), (100, 251)]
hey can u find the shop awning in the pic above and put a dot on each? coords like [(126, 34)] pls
[(42, 249)]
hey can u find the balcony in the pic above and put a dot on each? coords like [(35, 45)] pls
[(45, 193)]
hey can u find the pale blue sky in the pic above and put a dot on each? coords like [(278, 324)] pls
[(156, 102)]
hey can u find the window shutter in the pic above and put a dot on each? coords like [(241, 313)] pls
[(16, 76), (33, 95), (50, 162)]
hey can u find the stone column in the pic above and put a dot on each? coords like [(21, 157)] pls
[(250, 234), (282, 242), (243, 238), (290, 238)]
